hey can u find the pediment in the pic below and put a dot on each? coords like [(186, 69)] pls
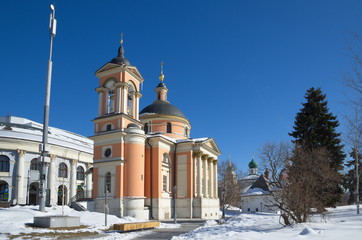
[(107, 66), (210, 144)]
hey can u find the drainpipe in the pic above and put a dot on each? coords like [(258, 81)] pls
[(151, 207)]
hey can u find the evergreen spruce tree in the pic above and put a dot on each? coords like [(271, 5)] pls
[(315, 128)]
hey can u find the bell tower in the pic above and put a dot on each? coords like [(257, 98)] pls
[(119, 142)]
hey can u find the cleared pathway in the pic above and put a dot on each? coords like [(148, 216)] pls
[(168, 233)]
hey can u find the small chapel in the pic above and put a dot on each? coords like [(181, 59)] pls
[(146, 165)]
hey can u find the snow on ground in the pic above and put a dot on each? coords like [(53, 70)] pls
[(341, 223), (13, 221)]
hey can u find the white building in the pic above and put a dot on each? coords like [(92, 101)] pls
[(68, 169), (256, 191)]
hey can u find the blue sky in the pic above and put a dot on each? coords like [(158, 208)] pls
[(237, 69)]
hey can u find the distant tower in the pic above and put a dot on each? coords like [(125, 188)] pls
[(253, 167), (119, 141)]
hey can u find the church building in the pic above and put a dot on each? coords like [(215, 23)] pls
[(146, 165)]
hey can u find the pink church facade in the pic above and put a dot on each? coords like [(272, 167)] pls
[(146, 160)]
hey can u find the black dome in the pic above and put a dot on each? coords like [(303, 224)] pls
[(120, 59), (161, 84), (162, 107)]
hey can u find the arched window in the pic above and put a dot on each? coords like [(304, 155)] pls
[(146, 128), (110, 96), (108, 182), (4, 163), (35, 164), (186, 131), (80, 173), (63, 170), (130, 98), (169, 127)]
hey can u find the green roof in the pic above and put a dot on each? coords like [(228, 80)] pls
[(253, 164)]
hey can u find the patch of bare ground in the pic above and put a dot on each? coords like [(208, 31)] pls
[(57, 233)]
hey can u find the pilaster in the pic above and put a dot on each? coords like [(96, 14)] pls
[(205, 177), (51, 180), (73, 178), (20, 177)]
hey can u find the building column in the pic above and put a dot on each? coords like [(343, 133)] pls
[(205, 185), (118, 100), (137, 95), (88, 182), (73, 179), (216, 194), (211, 177), (20, 199), (195, 176), (51, 181), (100, 91), (199, 174), (122, 96)]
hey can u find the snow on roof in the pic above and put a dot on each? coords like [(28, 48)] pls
[(158, 134), (255, 191), (22, 128)]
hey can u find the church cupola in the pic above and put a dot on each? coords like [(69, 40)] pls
[(253, 167), (161, 89), (120, 59)]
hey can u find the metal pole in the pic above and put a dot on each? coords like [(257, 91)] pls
[(44, 146)]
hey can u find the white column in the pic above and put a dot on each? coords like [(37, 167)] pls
[(124, 97), (204, 160), (51, 181), (199, 174), (215, 180), (73, 178), (88, 187), (20, 178), (195, 175), (117, 103), (211, 178), (137, 102), (100, 100)]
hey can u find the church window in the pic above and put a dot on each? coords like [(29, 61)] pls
[(109, 127), (63, 170), (146, 128), (107, 152), (110, 102), (186, 132), (4, 164), (169, 127), (80, 173), (164, 183), (108, 182), (110, 96), (35, 164), (130, 98)]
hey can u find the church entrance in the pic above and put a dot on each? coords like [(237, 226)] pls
[(34, 193), (62, 195)]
